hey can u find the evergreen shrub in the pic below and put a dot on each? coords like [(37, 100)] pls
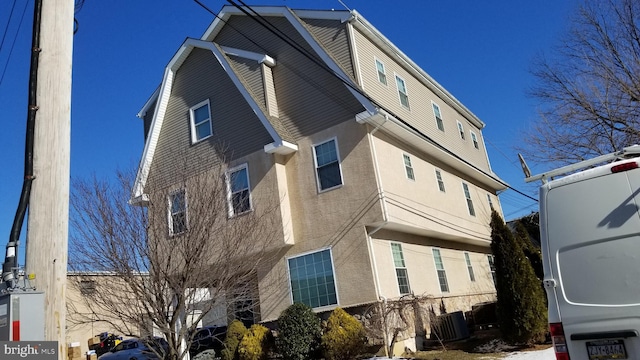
[(299, 331), (343, 337), (235, 332), (255, 344)]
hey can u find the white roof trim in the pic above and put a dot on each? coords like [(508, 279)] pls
[(260, 58), (163, 100), (282, 148), (150, 101)]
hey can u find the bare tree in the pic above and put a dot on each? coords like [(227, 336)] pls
[(590, 86), (173, 262)]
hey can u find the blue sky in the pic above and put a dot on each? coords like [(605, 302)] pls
[(478, 50)]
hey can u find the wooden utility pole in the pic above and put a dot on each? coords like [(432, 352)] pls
[(47, 226)]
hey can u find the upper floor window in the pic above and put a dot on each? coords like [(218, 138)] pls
[(440, 181), (177, 212), (382, 75), (239, 194), (474, 139), (492, 267), (402, 91), (87, 287), (467, 259), (442, 274), (461, 130), (401, 269), (490, 201), (312, 279), (200, 121), (436, 113), (467, 196), (328, 172), (407, 167)]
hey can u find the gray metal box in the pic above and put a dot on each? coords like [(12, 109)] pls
[(22, 316)]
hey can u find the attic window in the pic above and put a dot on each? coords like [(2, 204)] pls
[(200, 121)]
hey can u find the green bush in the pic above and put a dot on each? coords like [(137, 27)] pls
[(235, 332), (299, 331), (255, 344), (343, 336)]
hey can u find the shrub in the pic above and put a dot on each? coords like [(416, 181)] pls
[(255, 344), (235, 332), (343, 337), (299, 331)]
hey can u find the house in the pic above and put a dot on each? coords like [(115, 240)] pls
[(382, 178)]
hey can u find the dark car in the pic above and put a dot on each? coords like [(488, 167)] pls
[(154, 348), (209, 337)]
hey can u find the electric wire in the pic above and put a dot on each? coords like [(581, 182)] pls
[(6, 28), (4, 70)]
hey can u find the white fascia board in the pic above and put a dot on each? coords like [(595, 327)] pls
[(260, 58), (150, 101), (427, 80), (282, 148), (340, 15)]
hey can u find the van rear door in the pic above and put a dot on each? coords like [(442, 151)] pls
[(593, 250)]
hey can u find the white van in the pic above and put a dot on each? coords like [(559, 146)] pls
[(590, 238)]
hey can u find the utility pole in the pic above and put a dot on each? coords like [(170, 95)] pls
[(47, 226)]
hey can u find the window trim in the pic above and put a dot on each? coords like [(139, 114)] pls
[(403, 267), (231, 209), (382, 81), (333, 269), (440, 181), (460, 129), (406, 89), (439, 119), (315, 164), (474, 140), (170, 213), (492, 267), (444, 270), (467, 259), (194, 134), (468, 199), (408, 168)]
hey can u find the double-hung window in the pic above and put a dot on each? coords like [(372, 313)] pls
[(467, 259), (436, 113), (490, 201), (200, 121), (402, 91), (467, 196), (474, 139), (407, 167), (442, 275), (492, 268), (177, 212), (401, 269), (440, 181), (328, 172), (312, 279), (461, 130), (382, 75), (238, 191)]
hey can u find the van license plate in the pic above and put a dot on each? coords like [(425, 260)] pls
[(606, 349)]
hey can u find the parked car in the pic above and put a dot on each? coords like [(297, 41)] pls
[(209, 337), (154, 348)]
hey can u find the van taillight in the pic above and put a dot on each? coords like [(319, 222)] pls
[(559, 342), (624, 167)]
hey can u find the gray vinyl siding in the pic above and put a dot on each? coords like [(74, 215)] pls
[(420, 114), (148, 118), (300, 84), (250, 73), (235, 125), (332, 35)]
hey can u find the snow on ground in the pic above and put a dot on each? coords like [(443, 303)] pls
[(546, 354)]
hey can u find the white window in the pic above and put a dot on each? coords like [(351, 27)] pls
[(474, 139), (177, 212), (382, 76), (407, 167), (402, 91), (492, 268), (442, 274), (461, 130), (490, 201), (440, 181), (401, 269), (200, 121), (467, 196), (238, 190), (436, 113), (328, 172), (467, 259), (312, 279)]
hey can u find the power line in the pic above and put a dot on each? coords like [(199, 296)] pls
[(4, 70), (6, 28)]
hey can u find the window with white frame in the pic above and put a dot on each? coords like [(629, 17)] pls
[(328, 172), (460, 130), (200, 121), (442, 274), (467, 259), (177, 212), (407, 167), (490, 201), (474, 139), (401, 269), (402, 91), (440, 181), (312, 279), (238, 190), (467, 196), (492, 267), (382, 75), (436, 113)]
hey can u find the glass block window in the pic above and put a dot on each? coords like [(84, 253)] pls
[(436, 113), (467, 259), (200, 116), (407, 167), (401, 269), (239, 193), (328, 172), (467, 196), (177, 212), (402, 91), (313, 280), (382, 76), (440, 181), (442, 275)]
